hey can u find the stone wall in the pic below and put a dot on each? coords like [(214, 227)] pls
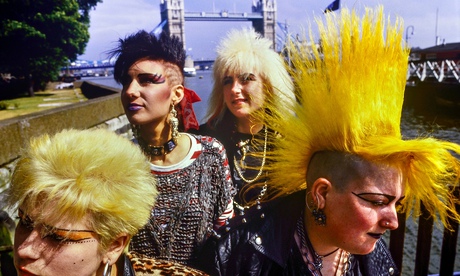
[(103, 112)]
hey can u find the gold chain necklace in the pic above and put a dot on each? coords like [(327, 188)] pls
[(257, 201), (238, 169)]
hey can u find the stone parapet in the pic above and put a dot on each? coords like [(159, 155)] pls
[(104, 112)]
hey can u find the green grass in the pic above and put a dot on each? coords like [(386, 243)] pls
[(42, 100)]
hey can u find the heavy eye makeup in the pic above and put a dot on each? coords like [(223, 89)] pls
[(378, 199), (145, 78), (58, 235)]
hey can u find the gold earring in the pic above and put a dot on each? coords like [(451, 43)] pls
[(174, 123)]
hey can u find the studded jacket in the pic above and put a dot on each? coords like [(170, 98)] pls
[(262, 243)]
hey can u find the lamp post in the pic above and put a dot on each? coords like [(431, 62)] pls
[(407, 32)]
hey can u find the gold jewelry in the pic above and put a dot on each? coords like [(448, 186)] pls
[(174, 122), (238, 169), (242, 145), (254, 202)]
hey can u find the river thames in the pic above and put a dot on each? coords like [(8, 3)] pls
[(416, 121)]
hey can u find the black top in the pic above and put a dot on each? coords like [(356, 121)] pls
[(249, 167), (262, 243)]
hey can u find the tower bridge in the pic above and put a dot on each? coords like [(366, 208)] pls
[(263, 17), (218, 16), (173, 18)]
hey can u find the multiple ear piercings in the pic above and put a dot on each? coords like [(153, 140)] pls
[(318, 214)]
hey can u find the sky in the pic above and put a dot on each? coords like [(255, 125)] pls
[(425, 21)]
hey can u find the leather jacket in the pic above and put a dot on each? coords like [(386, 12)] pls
[(261, 242), (124, 266)]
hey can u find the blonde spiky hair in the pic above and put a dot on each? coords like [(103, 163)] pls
[(92, 174), (350, 92)]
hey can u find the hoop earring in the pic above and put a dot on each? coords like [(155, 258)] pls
[(318, 214), (174, 123), (107, 269)]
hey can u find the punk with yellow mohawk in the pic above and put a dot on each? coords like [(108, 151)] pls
[(340, 169), (351, 91)]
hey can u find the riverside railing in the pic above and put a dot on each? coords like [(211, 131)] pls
[(424, 238)]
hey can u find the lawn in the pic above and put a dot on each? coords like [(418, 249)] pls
[(42, 100)]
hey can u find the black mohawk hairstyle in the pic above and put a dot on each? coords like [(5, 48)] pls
[(146, 45)]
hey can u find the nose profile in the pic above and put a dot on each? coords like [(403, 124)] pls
[(132, 89), (28, 245), (236, 87), (390, 220)]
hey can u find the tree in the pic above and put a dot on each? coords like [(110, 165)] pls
[(38, 37)]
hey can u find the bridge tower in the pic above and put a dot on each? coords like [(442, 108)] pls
[(263, 17), (173, 12), (267, 25)]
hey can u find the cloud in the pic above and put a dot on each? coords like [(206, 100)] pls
[(114, 19)]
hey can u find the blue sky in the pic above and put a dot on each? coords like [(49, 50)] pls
[(114, 19)]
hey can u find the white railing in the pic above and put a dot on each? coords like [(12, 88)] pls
[(440, 71)]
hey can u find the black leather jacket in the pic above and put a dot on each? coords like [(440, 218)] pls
[(262, 243), (124, 266)]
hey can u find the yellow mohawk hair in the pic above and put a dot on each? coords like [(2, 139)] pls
[(350, 93)]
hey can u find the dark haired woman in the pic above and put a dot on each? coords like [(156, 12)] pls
[(193, 176)]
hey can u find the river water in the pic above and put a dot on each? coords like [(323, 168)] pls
[(416, 121)]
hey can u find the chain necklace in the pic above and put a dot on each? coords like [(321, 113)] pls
[(317, 262), (242, 146), (257, 201)]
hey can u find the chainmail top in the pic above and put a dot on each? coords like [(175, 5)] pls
[(190, 200)]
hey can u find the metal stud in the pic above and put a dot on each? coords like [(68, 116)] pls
[(391, 271)]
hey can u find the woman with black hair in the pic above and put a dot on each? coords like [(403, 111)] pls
[(192, 172)]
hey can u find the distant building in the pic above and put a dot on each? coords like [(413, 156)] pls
[(449, 51)]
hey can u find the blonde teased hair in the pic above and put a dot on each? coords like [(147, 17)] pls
[(94, 175), (351, 91), (245, 51)]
